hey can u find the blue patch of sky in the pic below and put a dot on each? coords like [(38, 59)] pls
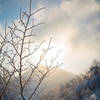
[(89, 19), (52, 2), (98, 0), (9, 9)]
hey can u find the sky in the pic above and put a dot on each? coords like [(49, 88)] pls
[(74, 26)]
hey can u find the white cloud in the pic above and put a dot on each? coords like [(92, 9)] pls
[(74, 23)]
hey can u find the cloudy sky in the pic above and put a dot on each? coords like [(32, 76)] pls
[(73, 24)]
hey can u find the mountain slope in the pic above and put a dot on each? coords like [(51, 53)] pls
[(54, 80)]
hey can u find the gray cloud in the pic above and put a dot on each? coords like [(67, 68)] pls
[(83, 17), (78, 24)]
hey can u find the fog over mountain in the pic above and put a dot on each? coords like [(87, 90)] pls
[(53, 81), (56, 79)]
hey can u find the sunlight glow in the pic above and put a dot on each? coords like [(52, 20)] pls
[(56, 50)]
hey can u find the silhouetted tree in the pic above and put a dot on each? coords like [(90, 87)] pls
[(83, 87), (16, 55)]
